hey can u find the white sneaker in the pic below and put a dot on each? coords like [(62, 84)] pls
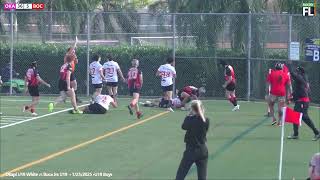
[(24, 109), (170, 109), (34, 114), (237, 107)]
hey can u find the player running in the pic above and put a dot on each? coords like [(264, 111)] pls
[(301, 98), (167, 72), (96, 73), (111, 71), (71, 52), (100, 106), (135, 81), (32, 80), (230, 85), (65, 88), (278, 81)]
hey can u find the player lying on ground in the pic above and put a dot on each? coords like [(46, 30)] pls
[(167, 72), (135, 81), (279, 83), (65, 88), (230, 85), (100, 106), (189, 93), (71, 52), (176, 103), (32, 81), (112, 71), (96, 73), (301, 99)]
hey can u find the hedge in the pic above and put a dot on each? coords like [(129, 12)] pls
[(190, 69)]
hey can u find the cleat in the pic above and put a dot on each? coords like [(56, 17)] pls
[(274, 122), (293, 137), (130, 110), (34, 114), (50, 107), (77, 111), (316, 137), (237, 107), (139, 115), (170, 109)]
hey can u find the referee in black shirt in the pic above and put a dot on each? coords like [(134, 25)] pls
[(301, 99), (196, 151)]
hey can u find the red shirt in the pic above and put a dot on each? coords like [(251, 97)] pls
[(134, 80), (286, 70), (63, 71), (278, 81), (229, 71), (31, 77), (191, 90)]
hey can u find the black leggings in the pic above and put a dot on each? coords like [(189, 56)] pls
[(194, 155), (303, 108)]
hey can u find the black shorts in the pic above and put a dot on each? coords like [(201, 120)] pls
[(179, 95), (96, 108), (72, 77), (167, 88), (97, 86), (33, 91), (134, 90), (112, 84), (62, 85), (231, 86)]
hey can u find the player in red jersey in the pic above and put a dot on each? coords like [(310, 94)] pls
[(230, 85), (32, 81), (135, 81), (278, 81), (65, 88), (189, 93)]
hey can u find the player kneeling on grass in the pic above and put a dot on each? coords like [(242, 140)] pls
[(189, 93), (32, 80), (135, 81), (96, 73), (65, 88), (277, 80), (230, 85), (100, 106)]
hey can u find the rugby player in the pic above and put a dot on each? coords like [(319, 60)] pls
[(189, 93), (71, 52), (100, 106), (230, 85), (65, 88), (135, 81), (96, 73), (278, 80), (111, 71), (167, 72), (32, 80)]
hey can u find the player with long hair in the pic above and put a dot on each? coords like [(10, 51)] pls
[(32, 81), (135, 81), (65, 88)]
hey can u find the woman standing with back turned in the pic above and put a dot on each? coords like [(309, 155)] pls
[(196, 151)]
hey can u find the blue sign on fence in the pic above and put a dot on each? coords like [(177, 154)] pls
[(312, 50)]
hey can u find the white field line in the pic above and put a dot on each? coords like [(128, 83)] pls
[(15, 107), (27, 100), (38, 117)]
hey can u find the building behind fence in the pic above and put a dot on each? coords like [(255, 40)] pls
[(252, 43)]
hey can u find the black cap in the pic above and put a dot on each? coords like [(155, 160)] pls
[(300, 70), (279, 66), (33, 64)]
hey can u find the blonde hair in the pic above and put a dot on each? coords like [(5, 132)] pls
[(197, 107)]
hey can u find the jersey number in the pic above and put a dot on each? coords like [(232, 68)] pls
[(132, 74), (110, 71)]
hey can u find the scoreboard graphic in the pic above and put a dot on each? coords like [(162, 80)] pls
[(312, 49), (22, 6)]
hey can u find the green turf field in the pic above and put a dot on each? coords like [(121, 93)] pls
[(242, 145)]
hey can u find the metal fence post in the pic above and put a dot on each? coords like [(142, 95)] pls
[(88, 53), (249, 57), (11, 51), (174, 48), (289, 39)]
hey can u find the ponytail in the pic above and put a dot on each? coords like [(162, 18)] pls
[(197, 107)]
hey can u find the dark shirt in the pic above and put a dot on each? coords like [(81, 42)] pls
[(196, 131), (300, 86)]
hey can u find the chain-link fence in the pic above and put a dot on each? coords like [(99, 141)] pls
[(252, 43)]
